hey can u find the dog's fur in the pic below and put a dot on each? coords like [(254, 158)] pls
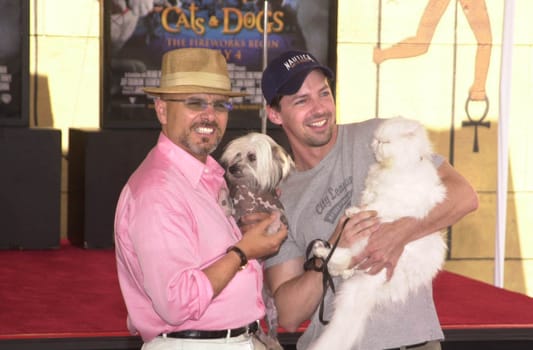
[(255, 165), (403, 183)]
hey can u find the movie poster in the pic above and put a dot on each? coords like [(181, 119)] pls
[(138, 32), (13, 62)]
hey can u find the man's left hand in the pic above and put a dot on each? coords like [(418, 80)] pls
[(384, 248)]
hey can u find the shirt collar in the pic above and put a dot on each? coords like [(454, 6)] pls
[(191, 168)]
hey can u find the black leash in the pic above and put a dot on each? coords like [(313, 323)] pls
[(311, 264)]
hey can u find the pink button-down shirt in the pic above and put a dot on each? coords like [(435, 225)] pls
[(168, 227)]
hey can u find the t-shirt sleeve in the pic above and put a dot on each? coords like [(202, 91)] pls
[(289, 250)]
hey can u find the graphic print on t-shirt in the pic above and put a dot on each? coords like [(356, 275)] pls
[(336, 198)]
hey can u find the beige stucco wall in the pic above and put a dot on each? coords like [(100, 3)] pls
[(65, 55), (433, 88)]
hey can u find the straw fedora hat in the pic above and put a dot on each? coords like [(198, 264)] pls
[(194, 70)]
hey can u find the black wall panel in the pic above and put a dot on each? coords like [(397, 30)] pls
[(30, 188)]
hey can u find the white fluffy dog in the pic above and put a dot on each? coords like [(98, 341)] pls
[(403, 183), (255, 165)]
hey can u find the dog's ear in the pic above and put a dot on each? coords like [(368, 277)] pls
[(277, 154), (282, 158)]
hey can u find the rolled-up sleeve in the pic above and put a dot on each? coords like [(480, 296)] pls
[(163, 236)]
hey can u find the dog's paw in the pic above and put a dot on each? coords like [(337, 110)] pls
[(339, 261), (320, 250)]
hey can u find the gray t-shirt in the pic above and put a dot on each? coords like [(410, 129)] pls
[(314, 200)]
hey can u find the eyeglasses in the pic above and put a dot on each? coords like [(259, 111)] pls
[(200, 105)]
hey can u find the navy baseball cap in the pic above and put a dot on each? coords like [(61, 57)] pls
[(285, 74)]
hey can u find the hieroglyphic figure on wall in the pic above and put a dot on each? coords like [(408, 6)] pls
[(478, 19)]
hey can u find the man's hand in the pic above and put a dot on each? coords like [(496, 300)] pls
[(257, 241), (355, 228), (250, 220), (384, 247)]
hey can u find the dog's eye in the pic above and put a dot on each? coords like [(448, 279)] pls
[(251, 157)]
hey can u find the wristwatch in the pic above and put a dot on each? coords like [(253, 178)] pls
[(240, 253)]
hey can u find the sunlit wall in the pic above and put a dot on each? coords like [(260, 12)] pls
[(421, 59), (432, 86)]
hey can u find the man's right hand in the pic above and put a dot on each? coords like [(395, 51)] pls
[(257, 242)]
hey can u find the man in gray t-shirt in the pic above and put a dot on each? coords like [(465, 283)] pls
[(331, 165)]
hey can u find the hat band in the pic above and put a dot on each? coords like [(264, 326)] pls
[(211, 80)]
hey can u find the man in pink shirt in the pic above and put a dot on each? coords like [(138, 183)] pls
[(188, 276)]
